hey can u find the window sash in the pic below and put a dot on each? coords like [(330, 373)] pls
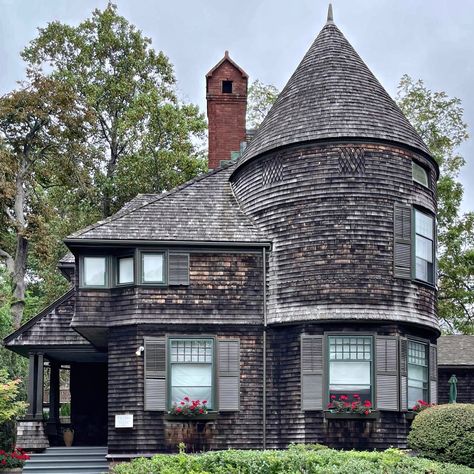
[(424, 247), (417, 372), (99, 276), (153, 267), (125, 270)]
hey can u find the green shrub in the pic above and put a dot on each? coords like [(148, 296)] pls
[(298, 459), (445, 433)]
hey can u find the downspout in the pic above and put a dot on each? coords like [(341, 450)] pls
[(264, 394)]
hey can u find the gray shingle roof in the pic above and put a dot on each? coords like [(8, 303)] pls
[(456, 350), (203, 209), (332, 94)]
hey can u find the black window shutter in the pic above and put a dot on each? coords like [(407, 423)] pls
[(386, 370), (433, 363), (155, 373), (228, 369), (402, 241), (178, 269), (311, 372), (403, 374)]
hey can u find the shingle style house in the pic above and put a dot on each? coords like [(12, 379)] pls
[(303, 271)]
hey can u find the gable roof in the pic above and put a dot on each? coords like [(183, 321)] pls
[(456, 350), (332, 94), (201, 210), (229, 60), (50, 327)]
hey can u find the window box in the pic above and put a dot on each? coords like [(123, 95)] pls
[(410, 415), (329, 415), (181, 418)]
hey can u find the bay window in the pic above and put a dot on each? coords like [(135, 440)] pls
[(350, 366), (191, 364), (94, 272), (125, 270)]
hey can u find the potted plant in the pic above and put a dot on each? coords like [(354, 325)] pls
[(353, 408), (68, 436), (12, 462)]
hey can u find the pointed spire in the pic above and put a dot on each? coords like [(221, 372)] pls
[(330, 14)]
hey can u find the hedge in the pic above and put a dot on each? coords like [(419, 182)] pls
[(297, 459), (445, 433)]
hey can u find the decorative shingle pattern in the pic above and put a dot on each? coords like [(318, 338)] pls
[(203, 209), (456, 350), (332, 94)]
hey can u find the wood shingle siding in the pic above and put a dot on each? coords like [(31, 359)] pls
[(333, 235)]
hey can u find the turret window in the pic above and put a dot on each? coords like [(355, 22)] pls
[(420, 175), (417, 372), (227, 87), (424, 247)]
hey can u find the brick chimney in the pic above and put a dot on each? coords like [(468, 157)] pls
[(226, 94)]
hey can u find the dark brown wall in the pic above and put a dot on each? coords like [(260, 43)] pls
[(225, 113), (332, 231), (465, 384), (223, 288), (230, 430)]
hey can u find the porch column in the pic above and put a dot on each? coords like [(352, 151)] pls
[(31, 387), (39, 386), (54, 396)]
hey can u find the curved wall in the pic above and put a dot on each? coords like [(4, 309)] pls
[(329, 210)]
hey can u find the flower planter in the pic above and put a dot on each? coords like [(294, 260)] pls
[(410, 415), (181, 419), (13, 470), (329, 415)]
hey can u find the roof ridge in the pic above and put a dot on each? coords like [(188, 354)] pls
[(159, 197)]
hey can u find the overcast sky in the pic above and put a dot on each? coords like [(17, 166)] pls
[(431, 40)]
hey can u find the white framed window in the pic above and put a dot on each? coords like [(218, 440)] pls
[(94, 271), (125, 270), (350, 366), (417, 372), (424, 247), (191, 366)]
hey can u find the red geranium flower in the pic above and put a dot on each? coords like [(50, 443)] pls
[(333, 397), (356, 395), (186, 399)]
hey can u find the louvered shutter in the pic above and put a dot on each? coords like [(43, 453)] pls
[(178, 268), (155, 374), (228, 367), (433, 373), (402, 241), (386, 365), (403, 374), (311, 372)]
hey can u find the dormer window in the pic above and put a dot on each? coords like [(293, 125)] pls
[(420, 175), (227, 87), (94, 272)]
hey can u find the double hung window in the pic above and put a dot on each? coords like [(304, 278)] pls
[(191, 364), (350, 366), (424, 247), (417, 372)]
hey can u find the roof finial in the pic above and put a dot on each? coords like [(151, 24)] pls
[(330, 15), (226, 54)]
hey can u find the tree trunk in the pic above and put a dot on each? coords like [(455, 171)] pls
[(18, 280)]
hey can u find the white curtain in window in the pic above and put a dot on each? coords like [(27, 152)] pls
[(193, 381), (94, 271), (126, 270), (349, 375), (152, 267)]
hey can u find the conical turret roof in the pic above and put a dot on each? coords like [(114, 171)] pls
[(332, 94)]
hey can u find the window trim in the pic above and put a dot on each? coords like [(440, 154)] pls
[(140, 280), (417, 163), (326, 371), (214, 369), (117, 270), (108, 272), (428, 213)]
